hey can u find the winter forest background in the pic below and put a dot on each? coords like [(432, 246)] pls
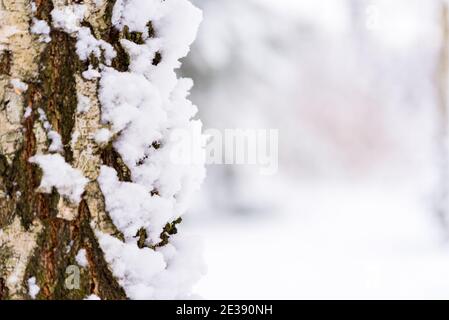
[(357, 89)]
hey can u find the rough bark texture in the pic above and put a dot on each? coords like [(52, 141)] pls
[(40, 234)]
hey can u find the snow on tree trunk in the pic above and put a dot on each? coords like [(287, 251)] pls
[(89, 101)]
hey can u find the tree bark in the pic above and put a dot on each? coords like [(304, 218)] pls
[(442, 209), (41, 233)]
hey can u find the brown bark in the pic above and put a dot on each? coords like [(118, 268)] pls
[(42, 233)]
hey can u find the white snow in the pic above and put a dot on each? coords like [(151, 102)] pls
[(55, 138), (56, 141), (44, 120), (135, 13), (33, 289), (27, 112), (130, 206), (91, 73), (102, 136), (127, 96), (133, 266), (33, 7), (87, 45), (18, 85), (68, 18), (41, 28), (83, 103), (92, 297), (147, 105), (81, 258), (167, 273), (68, 181)]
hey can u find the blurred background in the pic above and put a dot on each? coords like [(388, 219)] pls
[(358, 92)]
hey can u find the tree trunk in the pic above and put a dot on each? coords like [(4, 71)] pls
[(442, 208), (49, 240)]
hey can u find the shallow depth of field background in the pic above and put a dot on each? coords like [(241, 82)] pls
[(352, 87)]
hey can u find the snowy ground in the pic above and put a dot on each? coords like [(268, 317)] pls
[(328, 241)]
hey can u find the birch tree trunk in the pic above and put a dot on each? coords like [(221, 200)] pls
[(41, 84), (442, 208)]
